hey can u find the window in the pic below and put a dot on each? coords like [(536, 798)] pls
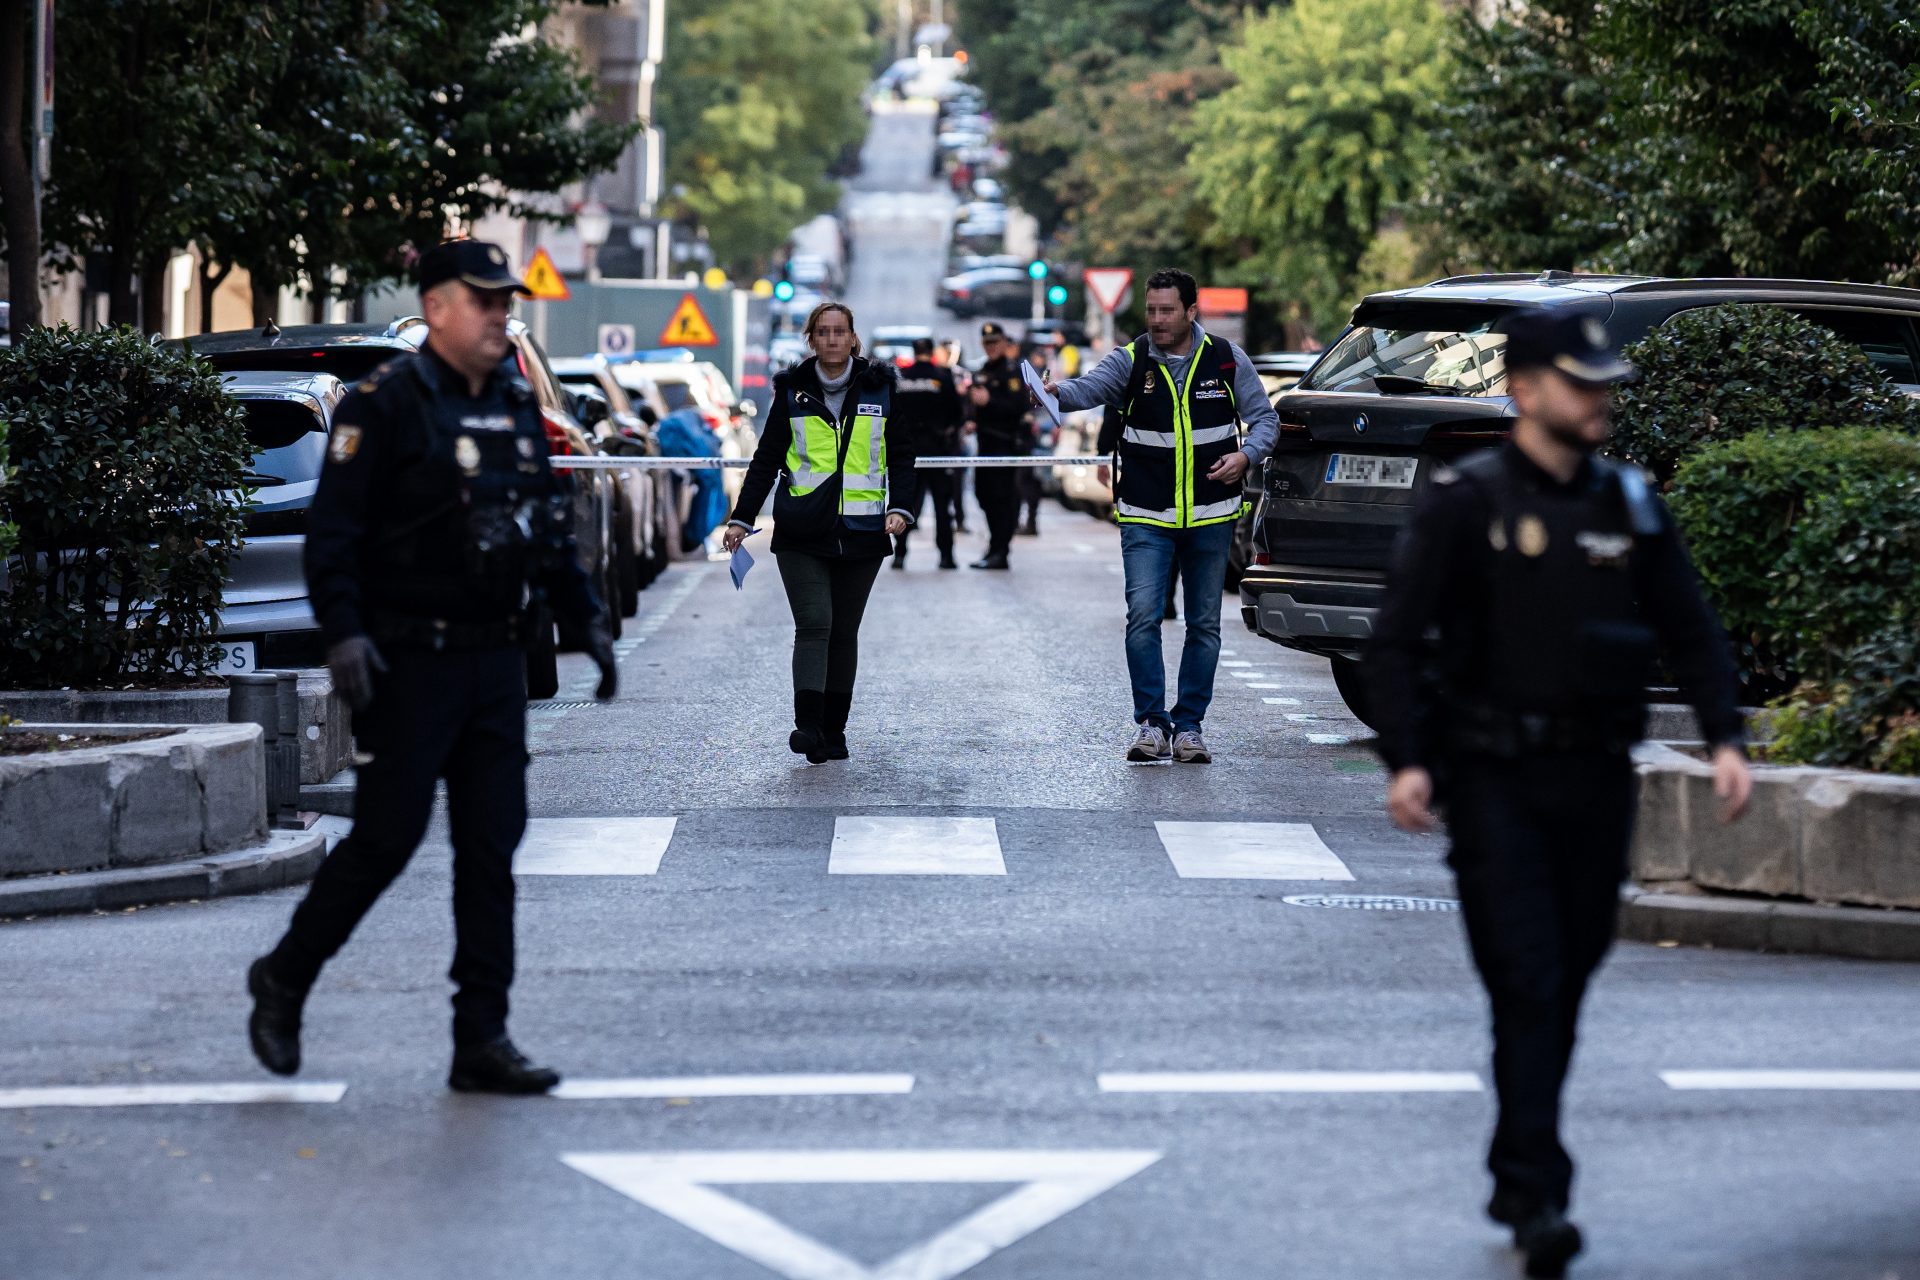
[(1445, 347), (1887, 338)]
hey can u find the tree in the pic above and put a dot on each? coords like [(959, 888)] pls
[(757, 101), (20, 225), (1320, 141)]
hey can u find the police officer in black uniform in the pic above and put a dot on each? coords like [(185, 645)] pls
[(928, 405), (998, 399), (1552, 578), (437, 529)]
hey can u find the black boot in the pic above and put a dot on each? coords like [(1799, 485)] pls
[(808, 738), (834, 724), (498, 1068), (947, 561), (1549, 1241), (274, 1026)]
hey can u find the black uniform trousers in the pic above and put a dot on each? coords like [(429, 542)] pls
[(461, 716), (939, 484), (997, 490), (1539, 849)]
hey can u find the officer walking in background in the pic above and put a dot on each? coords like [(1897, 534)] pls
[(1551, 577), (928, 405), (999, 400), (437, 527)]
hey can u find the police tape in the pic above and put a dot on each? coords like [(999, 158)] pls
[(607, 462)]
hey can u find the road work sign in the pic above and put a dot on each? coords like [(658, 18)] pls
[(688, 326), (543, 279)]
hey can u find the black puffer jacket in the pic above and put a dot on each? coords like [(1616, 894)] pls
[(770, 462)]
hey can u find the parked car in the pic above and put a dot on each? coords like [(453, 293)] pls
[(987, 291), (1281, 370), (895, 341), (1079, 487), (1418, 381), (350, 352), (624, 423), (707, 390)]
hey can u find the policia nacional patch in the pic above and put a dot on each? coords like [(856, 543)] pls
[(345, 443)]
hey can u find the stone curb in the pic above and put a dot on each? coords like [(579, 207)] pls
[(283, 858), (334, 796), (1753, 924)]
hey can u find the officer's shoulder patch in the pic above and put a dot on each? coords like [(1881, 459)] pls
[(345, 443)]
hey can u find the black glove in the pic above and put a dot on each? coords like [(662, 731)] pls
[(600, 649), (353, 663)]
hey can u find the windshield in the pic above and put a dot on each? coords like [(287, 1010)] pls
[(1441, 348)]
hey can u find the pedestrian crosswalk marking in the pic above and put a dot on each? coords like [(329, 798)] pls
[(1236, 664), (680, 1185), (1328, 739), (1290, 1082), (1902, 1081), (1278, 702), (763, 1086), (169, 1095), (1250, 851), (866, 846), (594, 846)]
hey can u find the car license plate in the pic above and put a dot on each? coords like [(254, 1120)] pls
[(236, 659), (1370, 469)]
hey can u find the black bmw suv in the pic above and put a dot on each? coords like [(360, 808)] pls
[(1417, 381)]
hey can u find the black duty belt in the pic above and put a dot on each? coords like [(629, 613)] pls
[(439, 634), (1496, 731)]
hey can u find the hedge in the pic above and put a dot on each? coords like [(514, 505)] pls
[(129, 493)]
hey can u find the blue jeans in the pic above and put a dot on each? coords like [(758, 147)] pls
[(1149, 555)]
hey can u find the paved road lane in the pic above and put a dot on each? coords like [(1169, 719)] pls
[(777, 988)]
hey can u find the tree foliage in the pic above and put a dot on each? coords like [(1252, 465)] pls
[(757, 101), (1322, 137)]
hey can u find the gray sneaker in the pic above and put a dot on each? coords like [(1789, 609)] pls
[(1190, 748), (1149, 744)]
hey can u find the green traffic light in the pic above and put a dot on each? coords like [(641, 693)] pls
[(783, 290), (1057, 295), (1037, 269)]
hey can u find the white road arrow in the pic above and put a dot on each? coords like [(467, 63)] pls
[(1054, 1183)]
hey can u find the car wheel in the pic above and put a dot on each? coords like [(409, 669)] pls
[(1350, 680), (543, 666), (1240, 553)]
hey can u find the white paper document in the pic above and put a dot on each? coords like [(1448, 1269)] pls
[(1046, 398)]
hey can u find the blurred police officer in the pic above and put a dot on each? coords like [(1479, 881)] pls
[(437, 528), (929, 407), (1552, 579), (999, 400)]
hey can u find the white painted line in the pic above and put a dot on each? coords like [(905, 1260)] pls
[(1235, 664), (1300, 717), (1328, 739), (1251, 685), (916, 847), (1280, 702), (1840, 1081), (1249, 851), (1229, 653), (1289, 1082), (1251, 675), (169, 1095), (594, 846), (678, 1185), (775, 1086)]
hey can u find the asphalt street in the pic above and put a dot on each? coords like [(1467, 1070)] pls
[(912, 1015)]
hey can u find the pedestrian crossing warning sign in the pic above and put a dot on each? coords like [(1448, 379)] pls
[(688, 326), (543, 280)]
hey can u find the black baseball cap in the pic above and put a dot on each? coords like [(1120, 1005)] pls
[(472, 262), (1574, 343), (923, 346), (990, 331)]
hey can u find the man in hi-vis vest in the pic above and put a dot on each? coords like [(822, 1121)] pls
[(1184, 397)]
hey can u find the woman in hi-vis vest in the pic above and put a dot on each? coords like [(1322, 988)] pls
[(842, 478)]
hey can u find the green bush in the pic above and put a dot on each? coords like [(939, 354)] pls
[(1809, 544), (1720, 373), (8, 533), (128, 493), (1867, 719)]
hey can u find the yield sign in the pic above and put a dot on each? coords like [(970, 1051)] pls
[(678, 1184), (688, 326), (1107, 285), (543, 280)]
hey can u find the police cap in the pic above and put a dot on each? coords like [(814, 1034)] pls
[(991, 332), (1574, 343), (472, 262)]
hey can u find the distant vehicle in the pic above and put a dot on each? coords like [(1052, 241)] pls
[(989, 189), (812, 271), (647, 521), (704, 388), (1419, 380), (895, 341), (1053, 332), (1079, 486), (784, 352), (1281, 370), (987, 291), (979, 237), (960, 264)]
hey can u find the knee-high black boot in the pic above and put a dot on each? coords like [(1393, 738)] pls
[(834, 723), (808, 738)]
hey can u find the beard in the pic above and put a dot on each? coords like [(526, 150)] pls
[(1575, 435)]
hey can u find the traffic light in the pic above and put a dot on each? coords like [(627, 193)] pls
[(783, 290), (1037, 269), (1057, 295)]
